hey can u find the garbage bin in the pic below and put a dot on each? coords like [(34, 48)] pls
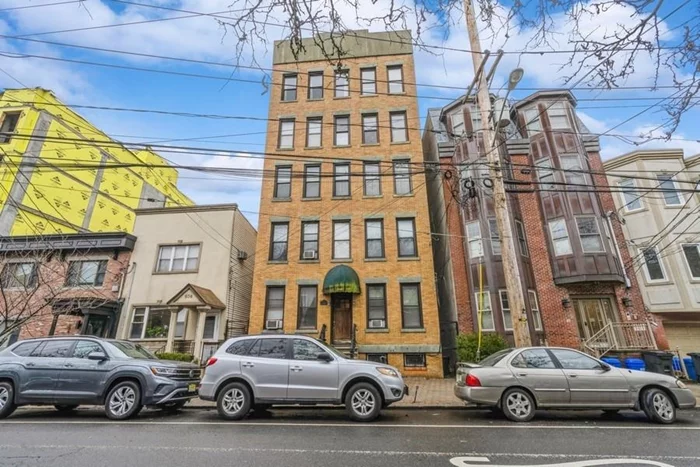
[(690, 367), (696, 363), (658, 362)]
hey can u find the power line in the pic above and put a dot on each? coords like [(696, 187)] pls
[(41, 5)]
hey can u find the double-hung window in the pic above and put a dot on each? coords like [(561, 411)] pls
[(545, 174), (178, 258), (341, 129), (374, 238), (314, 132), (289, 88), (149, 323), (372, 179), (411, 314), (535, 308), (316, 85), (533, 124), (495, 237), (370, 132), (457, 119), (376, 306), (86, 273), (560, 237), (505, 310), (558, 118), (691, 252), (484, 311), (341, 239), (341, 180), (308, 307), (395, 78), (342, 84), (406, 233), (279, 241), (476, 245), (522, 240), (589, 232), (653, 267), (571, 166), (274, 308), (399, 131), (286, 136), (669, 189), (312, 181), (631, 199), (309, 240), (283, 182), (19, 275), (369, 81), (402, 177)]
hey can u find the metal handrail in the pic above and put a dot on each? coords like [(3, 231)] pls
[(621, 337)]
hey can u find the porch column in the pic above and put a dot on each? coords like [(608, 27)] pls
[(199, 334), (171, 331)]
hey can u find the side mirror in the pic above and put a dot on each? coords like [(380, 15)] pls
[(325, 357), (605, 367), (97, 356)]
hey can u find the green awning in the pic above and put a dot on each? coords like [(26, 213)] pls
[(341, 279)]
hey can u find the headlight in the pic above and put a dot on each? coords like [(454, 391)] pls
[(163, 371), (681, 384), (388, 372)]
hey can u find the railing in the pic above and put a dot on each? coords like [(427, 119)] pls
[(322, 335), (353, 342), (621, 337)]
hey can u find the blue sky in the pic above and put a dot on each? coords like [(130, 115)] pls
[(201, 38)]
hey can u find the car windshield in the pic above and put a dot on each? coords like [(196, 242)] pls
[(132, 350), (493, 359)]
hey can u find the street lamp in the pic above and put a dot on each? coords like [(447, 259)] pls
[(513, 80)]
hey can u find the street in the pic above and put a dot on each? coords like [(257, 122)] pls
[(313, 437)]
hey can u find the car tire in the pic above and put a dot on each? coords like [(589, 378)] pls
[(517, 405), (363, 402), (234, 401), (173, 406), (65, 408), (658, 406), (123, 401), (7, 399)]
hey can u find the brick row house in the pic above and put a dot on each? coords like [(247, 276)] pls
[(577, 292), (344, 245)]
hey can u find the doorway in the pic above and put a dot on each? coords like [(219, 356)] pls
[(96, 325), (593, 314), (341, 318)]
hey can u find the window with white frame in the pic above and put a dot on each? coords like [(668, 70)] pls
[(395, 75), (313, 132), (571, 165), (315, 85), (178, 258), (341, 130), (669, 189), (181, 324), (475, 114), (691, 252), (545, 174), (653, 267), (505, 310), (484, 312), (341, 239), (369, 81), (630, 198), (286, 136), (274, 307), (535, 308), (533, 124), (402, 177), (560, 237), (211, 327), (341, 180), (476, 245), (589, 233), (342, 84), (522, 240), (457, 119), (558, 117), (19, 275), (399, 130), (406, 233), (372, 179), (495, 237), (149, 323)]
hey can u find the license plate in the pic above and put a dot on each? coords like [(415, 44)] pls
[(192, 388)]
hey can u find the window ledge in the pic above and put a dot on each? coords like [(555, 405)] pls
[(370, 144), (635, 211), (165, 273), (340, 146), (369, 95), (288, 102), (306, 331), (341, 97), (409, 195), (373, 196), (277, 261), (349, 260), (400, 142), (408, 258), (373, 260), (341, 197), (413, 330), (281, 200), (377, 330), (652, 283), (150, 339), (309, 261), (285, 149), (402, 93), (272, 331), (318, 198), (314, 99), (312, 148)]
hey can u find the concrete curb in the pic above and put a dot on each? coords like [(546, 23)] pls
[(336, 407)]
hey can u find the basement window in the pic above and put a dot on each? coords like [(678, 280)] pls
[(414, 360)]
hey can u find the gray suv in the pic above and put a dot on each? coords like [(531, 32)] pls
[(256, 372), (68, 372)]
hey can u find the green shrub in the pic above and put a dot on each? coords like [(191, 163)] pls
[(468, 343), (176, 356)]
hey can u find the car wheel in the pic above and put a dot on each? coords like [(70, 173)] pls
[(7, 399), (658, 406), (123, 401), (517, 405), (363, 402), (234, 401), (173, 406), (65, 407)]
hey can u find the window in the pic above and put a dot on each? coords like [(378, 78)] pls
[(241, 347), (306, 350), (402, 177), (273, 348), (374, 238), (283, 182), (557, 116), (653, 267), (312, 181), (588, 230), (289, 88), (377, 358), (631, 200), (137, 322), (342, 130), (560, 237), (395, 75), (533, 123), (278, 241), (341, 239), (495, 237), (484, 312), (369, 81), (522, 240), (26, 349), (316, 85), (571, 360), (535, 307), (571, 165), (692, 259), (309, 240), (86, 273), (341, 180), (342, 85), (274, 308), (181, 323), (411, 315), (545, 174), (505, 309), (286, 136), (534, 358), (414, 360), (376, 306), (84, 348), (314, 132), (457, 119), (148, 323), (370, 134), (8, 127), (372, 179), (11, 333), (475, 114), (669, 188), (178, 258), (308, 307), (476, 245), (406, 233), (399, 133), (20, 275), (56, 349)]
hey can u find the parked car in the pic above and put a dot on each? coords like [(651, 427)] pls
[(68, 372), (519, 381), (260, 371)]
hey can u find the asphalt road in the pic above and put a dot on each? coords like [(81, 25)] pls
[(312, 437)]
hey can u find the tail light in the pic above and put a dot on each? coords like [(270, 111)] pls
[(472, 381), (211, 361)]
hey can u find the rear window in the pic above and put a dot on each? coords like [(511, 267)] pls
[(56, 349), (24, 350), (493, 359), (241, 347)]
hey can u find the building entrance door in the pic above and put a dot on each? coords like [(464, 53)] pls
[(593, 314), (341, 313)]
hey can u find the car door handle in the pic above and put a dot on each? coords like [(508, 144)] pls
[(522, 374), (68, 365), (572, 375), (247, 365), (296, 368), (31, 365)]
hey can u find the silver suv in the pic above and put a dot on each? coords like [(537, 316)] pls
[(256, 372), (67, 372)]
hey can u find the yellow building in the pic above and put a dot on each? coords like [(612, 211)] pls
[(55, 175)]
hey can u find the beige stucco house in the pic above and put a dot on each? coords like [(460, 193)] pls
[(657, 197), (190, 278)]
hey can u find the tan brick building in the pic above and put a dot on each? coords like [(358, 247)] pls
[(344, 244)]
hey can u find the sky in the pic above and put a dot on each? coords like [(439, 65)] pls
[(202, 38)]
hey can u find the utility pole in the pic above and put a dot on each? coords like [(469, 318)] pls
[(516, 299)]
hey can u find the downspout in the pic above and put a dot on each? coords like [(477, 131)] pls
[(608, 218), (128, 298)]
